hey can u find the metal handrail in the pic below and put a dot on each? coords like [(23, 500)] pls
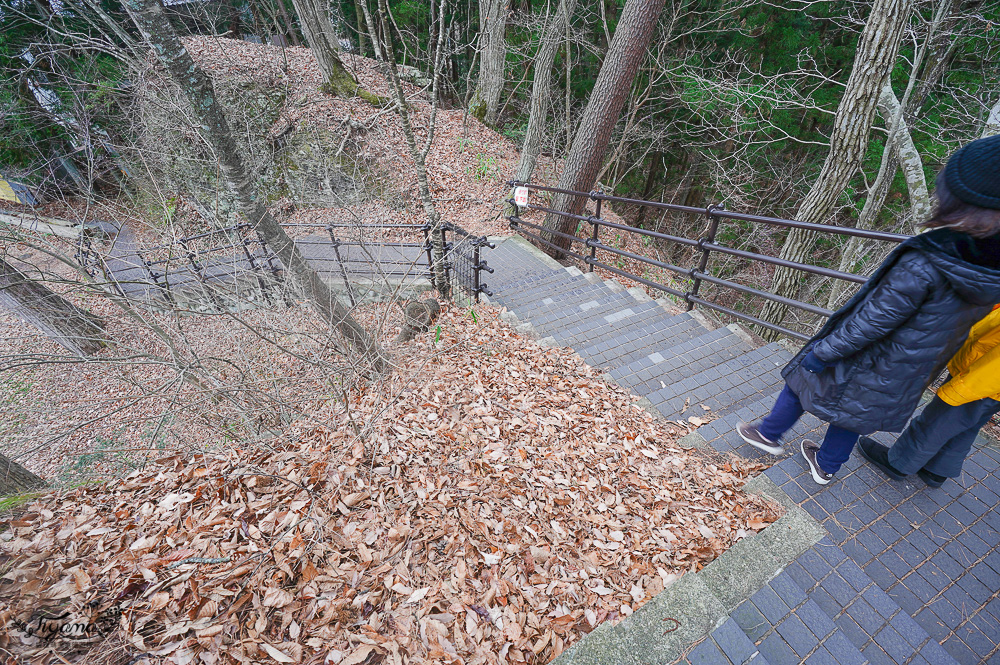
[(707, 245)]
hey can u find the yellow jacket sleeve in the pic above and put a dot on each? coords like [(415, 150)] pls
[(975, 369), (982, 379)]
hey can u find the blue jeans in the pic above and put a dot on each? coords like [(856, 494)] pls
[(940, 438), (837, 444)]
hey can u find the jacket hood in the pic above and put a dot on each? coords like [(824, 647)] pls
[(974, 283)]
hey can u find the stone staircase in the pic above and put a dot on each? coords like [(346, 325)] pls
[(847, 576)]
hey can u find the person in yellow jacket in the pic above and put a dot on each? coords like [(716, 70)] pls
[(936, 442)]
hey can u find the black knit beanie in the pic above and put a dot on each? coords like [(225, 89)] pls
[(973, 173)]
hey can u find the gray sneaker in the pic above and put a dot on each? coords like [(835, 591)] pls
[(809, 450), (750, 434)]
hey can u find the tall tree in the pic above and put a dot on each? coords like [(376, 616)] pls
[(198, 89), (71, 327), (485, 101), (626, 53), (314, 17), (541, 87), (372, 32), (419, 154), (876, 54), (359, 15)]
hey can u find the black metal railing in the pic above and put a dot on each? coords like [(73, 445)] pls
[(465, 262), (352, 251), (585, 249)]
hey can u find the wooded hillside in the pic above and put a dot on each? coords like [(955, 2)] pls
[(254, 409)]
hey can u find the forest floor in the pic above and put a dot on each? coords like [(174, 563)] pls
[(490, 501)]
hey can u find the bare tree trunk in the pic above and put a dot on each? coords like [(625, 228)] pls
[(875, 57), (315, 21), (541, 87), (359, 15), (66, 324), (420, 155), (15, 479), (899, 151), (627, 51), (492, 56), (992, 127), (289, 26), (197, 87), (372, 32)]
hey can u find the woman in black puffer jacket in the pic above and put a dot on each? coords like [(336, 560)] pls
[(866, 370)]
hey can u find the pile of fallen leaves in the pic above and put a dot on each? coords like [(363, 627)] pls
[(491, 502)]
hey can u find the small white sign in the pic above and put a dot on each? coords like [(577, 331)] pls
[(521, 196)]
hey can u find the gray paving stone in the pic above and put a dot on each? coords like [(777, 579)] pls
[(846, 652), (819, 623), (801, 639), (787, 590), (707, 653), (903, 545), (751, 621), (777, 651), (960, 651), (765, 361), (772, 607), (852, 630), (733, 642)]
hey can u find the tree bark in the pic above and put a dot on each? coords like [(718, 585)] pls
[(492, 55), (15, 479), (198, 89), (372, 32), (541, 88), (627, 51), (420, 155), (992, 126), (289, 26), (315, 21), (66, 324), (900, 150), (905, 153), (359, 15), (877, 51)]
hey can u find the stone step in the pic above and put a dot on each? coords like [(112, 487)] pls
[(639, 315), (674, 363), (556, 280), (552, 301), (580, 313), (547, 289), (637, 342), (514, 260), (516, 282), (725, 387)]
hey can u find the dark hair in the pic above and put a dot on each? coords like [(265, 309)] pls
[(958, 215)]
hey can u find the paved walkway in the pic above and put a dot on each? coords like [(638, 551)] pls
[(905, 574), (897, 573)]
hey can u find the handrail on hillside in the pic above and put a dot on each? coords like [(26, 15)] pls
[(706, 244), (463, 262)]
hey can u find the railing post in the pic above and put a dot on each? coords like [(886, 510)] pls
[(191, 256), (428, 246), (593, 236), (447, 254), (713, 228)]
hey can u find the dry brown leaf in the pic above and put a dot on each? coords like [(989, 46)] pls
[(274, 653)]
